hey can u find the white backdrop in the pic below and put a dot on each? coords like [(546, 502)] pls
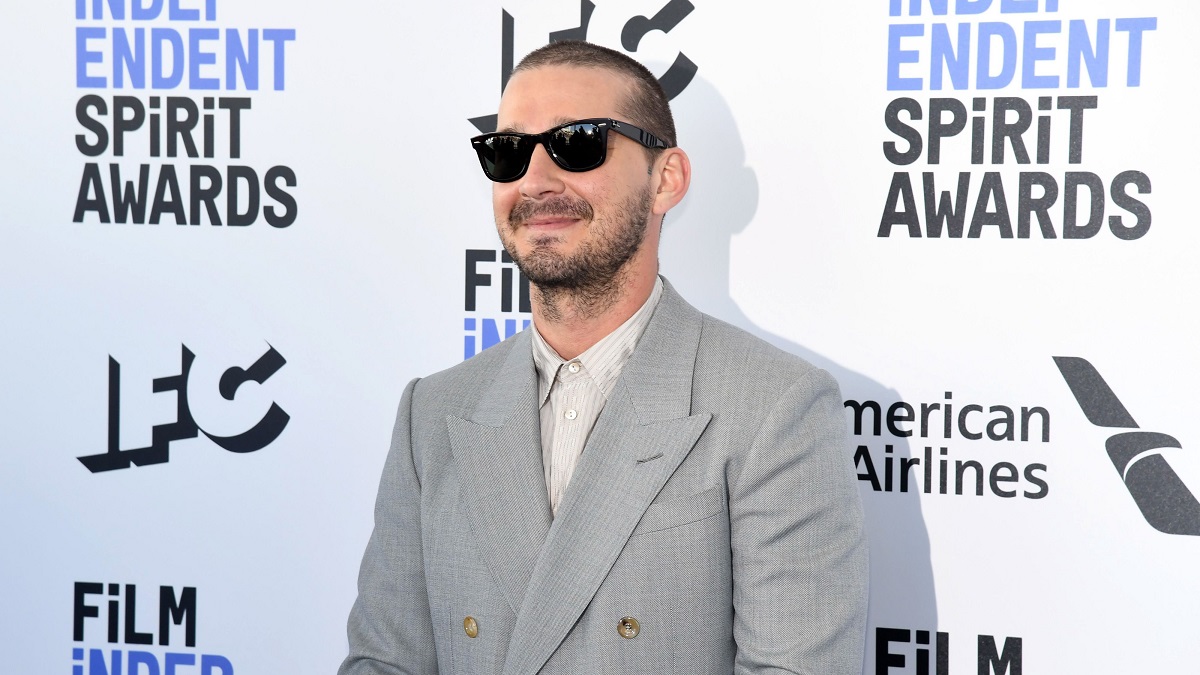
[(364, 287)]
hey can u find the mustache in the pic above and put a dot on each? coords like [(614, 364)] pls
[(560, 206)]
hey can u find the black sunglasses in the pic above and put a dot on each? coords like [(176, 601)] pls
[(581, 145)]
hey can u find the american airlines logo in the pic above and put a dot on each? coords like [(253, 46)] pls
[(1165, 501)]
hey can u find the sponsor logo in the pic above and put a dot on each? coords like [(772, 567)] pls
[(184, 426), (673, 82), (936, 470), (496, 315), (115, 615), (1164, 500), (990, 45), (900, 650), (190, 147)]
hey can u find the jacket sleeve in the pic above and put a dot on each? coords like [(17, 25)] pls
[(390, 629), (799, 551)]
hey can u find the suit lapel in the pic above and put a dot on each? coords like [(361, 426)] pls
[(641, 437), (499, 457)]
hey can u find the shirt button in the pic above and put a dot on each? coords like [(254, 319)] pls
[(571, 414), (471, 627), (573, 367), (628, 627)]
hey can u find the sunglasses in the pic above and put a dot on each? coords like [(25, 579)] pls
[(581, 145)]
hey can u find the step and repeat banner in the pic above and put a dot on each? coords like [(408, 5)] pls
[(230, 232)]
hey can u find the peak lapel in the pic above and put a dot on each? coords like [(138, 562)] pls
[(499, 457), (641, 437)]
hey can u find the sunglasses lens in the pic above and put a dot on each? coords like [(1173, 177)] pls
[(504, 157), (579, 147)]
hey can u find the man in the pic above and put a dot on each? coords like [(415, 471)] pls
[(631, 486)]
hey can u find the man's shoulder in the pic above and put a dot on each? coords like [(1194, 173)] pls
[(742, 359), (722, 340), (464, 381)]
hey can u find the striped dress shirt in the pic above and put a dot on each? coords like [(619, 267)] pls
[(573, 393)]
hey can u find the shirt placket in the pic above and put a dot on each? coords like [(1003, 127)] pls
[(569, 399)]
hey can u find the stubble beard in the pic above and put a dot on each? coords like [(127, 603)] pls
[(588, 281)]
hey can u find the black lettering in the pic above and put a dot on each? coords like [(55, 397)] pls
[(900, 190), (122, 124), (1009, 475), (128, 197), (942, 209), (1043, 488), (1009, 661), (233, 194), (938, 129), (205, 195), (1028, 205), (176, 610), (91, 184), (180, 129), (96, 148), (1076, 104), (476, 279), (895, 416), (1002, 128), (285, 198), (863, 457), (82, 609), (1136, 207), (1006, 418), (1075, 180), (992, 188), (891, 118), (167, 182)]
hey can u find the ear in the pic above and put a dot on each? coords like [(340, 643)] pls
[(673, 174)]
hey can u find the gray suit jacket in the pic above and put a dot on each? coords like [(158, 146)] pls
[(714, 503)]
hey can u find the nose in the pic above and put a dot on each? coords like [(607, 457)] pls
[(543, 178)]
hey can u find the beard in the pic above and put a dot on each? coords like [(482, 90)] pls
[(596, 270)]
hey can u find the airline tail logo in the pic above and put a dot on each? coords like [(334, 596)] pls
[(1164, 500)]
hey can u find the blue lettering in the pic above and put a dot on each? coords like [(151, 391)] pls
[(173, 659), (210, 661), (97, 666), (177, 13), (1135, 28), (129, 58), (146, 12), (897, 56), (1079, 48), (971, 6), (1018, 6), (83, 57), (490, 329), (143, 658), (241, 59), (280, 37), (1008, 52), (1032, 54), (956, 60), (197, 58), (159, 79)]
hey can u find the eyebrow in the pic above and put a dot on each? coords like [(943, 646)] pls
[(517, 129)]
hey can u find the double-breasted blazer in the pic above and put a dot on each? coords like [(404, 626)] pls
[(712, 525)]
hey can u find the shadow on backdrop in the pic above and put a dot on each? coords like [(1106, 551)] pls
[(695, 256)]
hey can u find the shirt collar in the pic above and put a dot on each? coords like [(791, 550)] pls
[(602, 361)]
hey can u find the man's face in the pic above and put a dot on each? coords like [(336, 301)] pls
[(566, 229)]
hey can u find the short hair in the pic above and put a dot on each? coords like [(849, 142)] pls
[(646, 106)]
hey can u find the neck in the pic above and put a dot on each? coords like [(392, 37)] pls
[(572, 320)]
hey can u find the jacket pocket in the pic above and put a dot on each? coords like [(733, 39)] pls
[(681, 511)]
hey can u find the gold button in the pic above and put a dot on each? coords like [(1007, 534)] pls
[(471, 626), (628, 628)]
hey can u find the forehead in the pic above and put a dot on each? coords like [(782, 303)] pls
[(547, 96)]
